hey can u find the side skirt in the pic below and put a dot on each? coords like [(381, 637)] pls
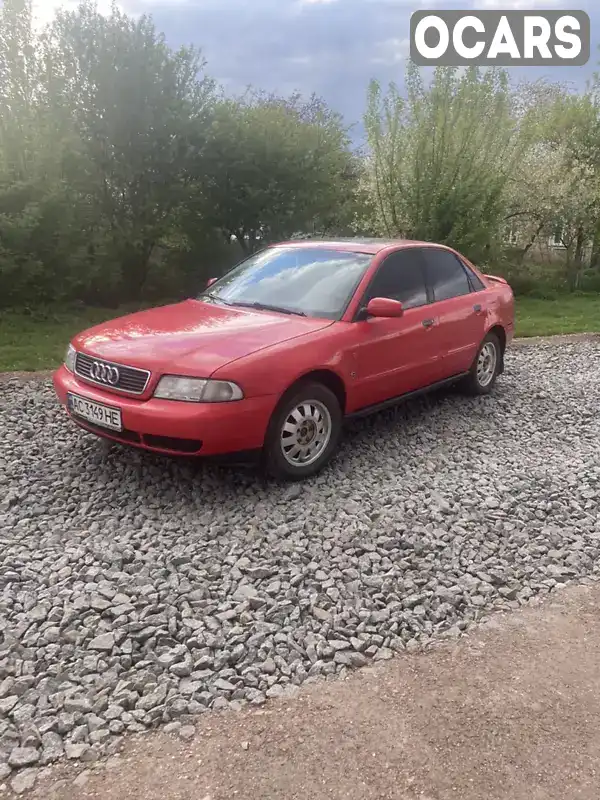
[(394, 401)]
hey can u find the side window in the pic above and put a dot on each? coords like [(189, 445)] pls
[(476, 282), (400, 277), (446, 275)]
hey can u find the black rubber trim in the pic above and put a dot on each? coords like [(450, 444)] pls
[(394, 401), (171, 443), (155, 444), (124, 435)]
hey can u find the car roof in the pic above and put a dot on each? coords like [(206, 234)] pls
[(354, 244)]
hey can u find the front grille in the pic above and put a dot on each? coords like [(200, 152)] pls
[(131, 379)]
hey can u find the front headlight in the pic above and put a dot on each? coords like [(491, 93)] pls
[(197, 390), (70, 358)]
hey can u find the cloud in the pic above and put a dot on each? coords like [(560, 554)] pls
[(43, 11), (508, 5), (391, 51), (331, 47)]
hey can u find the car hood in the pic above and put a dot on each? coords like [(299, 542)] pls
[(191, 337)]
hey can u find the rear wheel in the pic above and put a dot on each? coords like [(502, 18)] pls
[(485, 368), (303, 433)]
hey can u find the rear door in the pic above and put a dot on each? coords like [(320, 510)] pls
[(459, 304), (394, 356)]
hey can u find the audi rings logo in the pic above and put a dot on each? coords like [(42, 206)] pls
[(104, 373)]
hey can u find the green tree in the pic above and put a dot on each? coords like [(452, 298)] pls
[(574, 133), (556, 190), (138, 111), (441, 157), (274, 167), (38, 225)]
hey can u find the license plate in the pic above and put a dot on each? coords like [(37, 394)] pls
[(106, 416)]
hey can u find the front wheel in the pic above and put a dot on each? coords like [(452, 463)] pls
[(485, 368), (303, 433)]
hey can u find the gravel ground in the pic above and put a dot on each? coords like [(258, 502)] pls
[(509, 713), (136, 591)]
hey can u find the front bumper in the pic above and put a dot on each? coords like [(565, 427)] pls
[(173, 427)]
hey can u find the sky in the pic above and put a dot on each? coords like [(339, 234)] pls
[(331, 47)]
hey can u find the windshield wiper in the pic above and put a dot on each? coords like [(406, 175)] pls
[(267, 307), (215, 297)]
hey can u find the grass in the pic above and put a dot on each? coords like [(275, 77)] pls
[(37, 340), (577, 313)]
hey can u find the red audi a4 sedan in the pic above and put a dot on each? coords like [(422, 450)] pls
[(275, 355)]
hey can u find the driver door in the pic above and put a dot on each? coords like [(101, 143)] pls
[(393, 357)]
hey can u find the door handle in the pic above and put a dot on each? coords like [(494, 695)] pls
[(427, 323)]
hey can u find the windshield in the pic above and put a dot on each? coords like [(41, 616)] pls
[(311, 281)]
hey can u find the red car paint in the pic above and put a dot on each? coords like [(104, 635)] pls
[(265, 352)]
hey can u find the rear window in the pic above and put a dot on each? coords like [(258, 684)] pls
[(476, 282), (446, 274)]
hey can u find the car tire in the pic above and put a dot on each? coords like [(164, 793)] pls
[(485, 367), (306, 423)]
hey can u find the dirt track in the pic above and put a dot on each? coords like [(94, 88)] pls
[(513, 712)]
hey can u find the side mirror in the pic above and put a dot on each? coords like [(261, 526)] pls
[(384, 307), (210, 282)]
